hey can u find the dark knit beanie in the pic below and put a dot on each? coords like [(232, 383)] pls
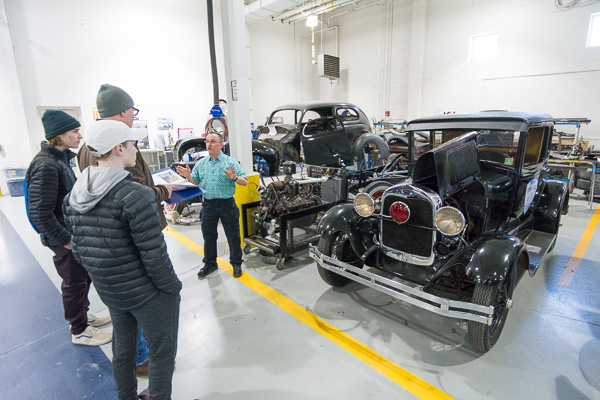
[(57, 122), (112, 100)]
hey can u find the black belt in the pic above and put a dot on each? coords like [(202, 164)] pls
[(215, 201)]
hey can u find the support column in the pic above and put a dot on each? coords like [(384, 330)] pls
[(15, 145), (236, 77)]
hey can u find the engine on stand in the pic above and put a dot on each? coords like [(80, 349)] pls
[(285, 219)]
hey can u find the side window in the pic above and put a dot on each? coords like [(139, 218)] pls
[(534, 146), (283, 117), (347, 114), (449, 135)]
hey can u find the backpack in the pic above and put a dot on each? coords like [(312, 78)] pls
[(27, 204)]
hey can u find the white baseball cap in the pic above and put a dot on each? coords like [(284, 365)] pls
[(103, 135)]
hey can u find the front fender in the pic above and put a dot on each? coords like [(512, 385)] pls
[(183, 145), (268, 153), (489, 260), (342, 218)]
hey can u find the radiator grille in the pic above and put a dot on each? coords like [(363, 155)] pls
[(415, 235)]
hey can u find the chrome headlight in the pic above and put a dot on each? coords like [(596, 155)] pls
[(449, 221), (364, 205)]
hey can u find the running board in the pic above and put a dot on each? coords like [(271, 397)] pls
[(538, 244)]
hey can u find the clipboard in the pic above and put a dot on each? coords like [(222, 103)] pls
[(178, 196)]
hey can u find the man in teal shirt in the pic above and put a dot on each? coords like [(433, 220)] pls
[(218, 174)]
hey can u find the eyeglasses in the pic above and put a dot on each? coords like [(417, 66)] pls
[(135, 111), (213, 141)]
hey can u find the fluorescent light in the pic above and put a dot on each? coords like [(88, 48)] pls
[(312, 21)]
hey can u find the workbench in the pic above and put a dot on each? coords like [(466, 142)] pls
[(577, 165)]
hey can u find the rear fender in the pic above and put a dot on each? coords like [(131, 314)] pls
[(342, 218), (489, 260), (370, 138), (553, 202)]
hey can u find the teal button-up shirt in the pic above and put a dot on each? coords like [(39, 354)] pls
[(210, 176)]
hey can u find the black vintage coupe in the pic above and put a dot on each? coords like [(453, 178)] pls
[(284, 126), (454, 237)]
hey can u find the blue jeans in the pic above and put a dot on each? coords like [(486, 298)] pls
[(227, 211), (159, 318), (142, 348)]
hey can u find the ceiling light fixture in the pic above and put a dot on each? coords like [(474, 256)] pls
[(312, 21)]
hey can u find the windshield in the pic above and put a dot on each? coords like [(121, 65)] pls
[(495, 146)]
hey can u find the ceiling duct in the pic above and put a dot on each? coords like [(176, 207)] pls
[(314, 8), (261, 9), (301, 9), (291, 11)]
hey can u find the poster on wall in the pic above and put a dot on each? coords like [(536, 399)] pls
[(164, 124), (183, 133)]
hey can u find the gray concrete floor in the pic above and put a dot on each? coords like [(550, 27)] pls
[(237, 340)]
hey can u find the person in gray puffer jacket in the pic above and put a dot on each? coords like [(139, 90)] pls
[(117, 237)]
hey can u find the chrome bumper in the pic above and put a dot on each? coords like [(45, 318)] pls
[(406, 291)]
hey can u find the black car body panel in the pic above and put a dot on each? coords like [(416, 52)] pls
[(474, 211), (325, 143)]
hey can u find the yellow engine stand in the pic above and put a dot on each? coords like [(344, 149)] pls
[(244, 195)]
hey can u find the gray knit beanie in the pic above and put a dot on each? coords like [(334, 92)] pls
[(112, 100), (57, 122)]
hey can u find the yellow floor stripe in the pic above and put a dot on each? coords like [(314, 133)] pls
[(393, 371), (569, 273)]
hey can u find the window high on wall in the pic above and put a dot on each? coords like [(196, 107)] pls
[(593, 38), (483, 46)]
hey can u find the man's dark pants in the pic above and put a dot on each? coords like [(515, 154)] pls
[(159, 318), (228, 212), (75, 288)]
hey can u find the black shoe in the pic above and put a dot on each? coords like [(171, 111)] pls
[(206, 270), (237, 271)]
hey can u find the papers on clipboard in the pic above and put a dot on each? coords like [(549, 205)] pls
[(167, 176), (185, 190)]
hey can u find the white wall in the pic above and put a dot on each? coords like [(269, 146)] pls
[(542, 56), (157, 51), (272, 67), (374, 44), (410, 57), (281, 68)]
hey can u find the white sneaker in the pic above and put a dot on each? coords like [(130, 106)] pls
[(91, 337), (98, 321)]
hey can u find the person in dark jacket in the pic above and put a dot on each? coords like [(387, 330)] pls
[(117, 237), (114, 103), (49, 178)]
